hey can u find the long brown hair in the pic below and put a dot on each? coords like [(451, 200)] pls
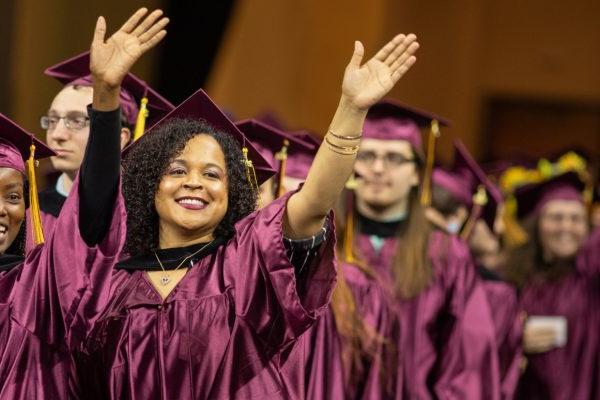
[(411, 270), (359, 341), (411, 267)]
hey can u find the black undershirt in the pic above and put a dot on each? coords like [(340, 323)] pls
[(51, 202), (99, 175), (378, 228)]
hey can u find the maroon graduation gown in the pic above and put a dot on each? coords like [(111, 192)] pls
[(568, 372), (218, 332), (52, 304)]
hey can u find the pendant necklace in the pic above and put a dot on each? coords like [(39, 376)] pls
[(166, 278)]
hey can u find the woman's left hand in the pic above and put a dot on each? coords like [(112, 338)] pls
[(365, 85)]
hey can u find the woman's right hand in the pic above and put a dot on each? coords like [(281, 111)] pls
[(538, 339), (111, 60)]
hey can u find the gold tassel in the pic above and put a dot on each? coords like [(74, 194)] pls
[(349, 232), (140, 124), (480, 199), (250, 173), (282, 157), (434, 133), (34, 207)]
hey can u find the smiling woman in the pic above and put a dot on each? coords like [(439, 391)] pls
[(226, 199), (557, 272), (212, 290)]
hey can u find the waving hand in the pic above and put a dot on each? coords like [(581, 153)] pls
[(366, 84)]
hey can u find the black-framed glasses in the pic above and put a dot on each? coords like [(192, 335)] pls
[(72, 122), (389, 159)]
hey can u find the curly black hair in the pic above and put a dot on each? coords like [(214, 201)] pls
[(146, 163)]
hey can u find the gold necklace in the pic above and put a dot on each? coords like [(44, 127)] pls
[(166, 278)]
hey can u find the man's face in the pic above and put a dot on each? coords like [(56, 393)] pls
[(69, 143), (387, 172)]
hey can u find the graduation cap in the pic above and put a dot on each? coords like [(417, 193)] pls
[(200, 107), (469, 184), (18, 149), (392, 120), (274, 145), (533, 197), (300, 159), (138, 100)]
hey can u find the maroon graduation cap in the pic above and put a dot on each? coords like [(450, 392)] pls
[(533, 197), (76, 71), (392, 120), (200, 107)]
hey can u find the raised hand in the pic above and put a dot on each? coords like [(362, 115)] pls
[(111, 60), (365, 85)]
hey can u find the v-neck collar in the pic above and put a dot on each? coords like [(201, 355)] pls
[(170, 258), (9, 261)]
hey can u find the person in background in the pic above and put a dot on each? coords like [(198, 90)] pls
[(466, 203), (556, 272), (275, 146), (427, 274)]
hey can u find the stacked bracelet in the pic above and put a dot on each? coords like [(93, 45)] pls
[(343, 150), (344, 137)]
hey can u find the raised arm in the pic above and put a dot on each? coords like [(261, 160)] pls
[(363, 86), (110, 61)]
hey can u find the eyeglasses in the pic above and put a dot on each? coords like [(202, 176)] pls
[(72, 122), (389, 159)]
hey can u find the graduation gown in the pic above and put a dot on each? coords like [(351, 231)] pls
[(315, 368), (506, 313), (431, 345), (218, 332), (48, 301), (568, 372), (51, 305), (51, 203)]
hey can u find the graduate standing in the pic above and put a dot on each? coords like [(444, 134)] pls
[(51, 301), (557, 274), (466, 203), (210, 294), (428, 273)]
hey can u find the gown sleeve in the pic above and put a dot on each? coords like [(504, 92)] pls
[(64, 283), (276, 299)]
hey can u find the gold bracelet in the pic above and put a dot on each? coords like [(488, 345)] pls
[(344, 137), (346, 151)]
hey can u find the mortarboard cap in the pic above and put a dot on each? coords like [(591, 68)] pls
[(270, 140), (392, 120), (18, 148), (300, 159), (465, 165), (15, 143), (533, 197), (76, 71), (200, 106)]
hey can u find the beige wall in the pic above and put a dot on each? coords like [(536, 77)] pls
[(48, 32), (289, 56)]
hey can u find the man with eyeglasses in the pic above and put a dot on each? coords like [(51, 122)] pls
[(67, 126)]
